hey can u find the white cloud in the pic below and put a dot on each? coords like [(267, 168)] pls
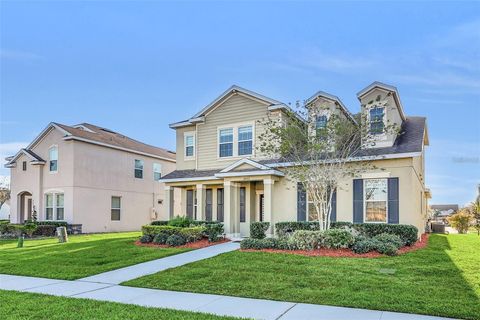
[(19, 55), (10, 149)]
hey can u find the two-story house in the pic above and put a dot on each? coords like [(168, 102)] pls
[(88, 175), (222, 176)]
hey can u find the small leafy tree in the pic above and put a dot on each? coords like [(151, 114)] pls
[(461, 221), (474, 210), (321, 151), (4, 195)]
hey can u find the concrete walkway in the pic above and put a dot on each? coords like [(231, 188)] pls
[(142, 269), (209, 303)]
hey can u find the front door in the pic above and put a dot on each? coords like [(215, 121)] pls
[(244, 227), (220, 205), (190, 204), (29, 208)]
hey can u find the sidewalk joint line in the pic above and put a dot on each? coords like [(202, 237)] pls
[(76, 294), (286, 311)]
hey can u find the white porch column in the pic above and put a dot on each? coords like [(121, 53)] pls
[(200, 202), (230, 219), (168, 202), (268, 203)]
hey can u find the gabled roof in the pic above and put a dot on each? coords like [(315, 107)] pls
[(333, 98), (34, 158), (250, 162), (385, 87), (199, 116), (90, 133)]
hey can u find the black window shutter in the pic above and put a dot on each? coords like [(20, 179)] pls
[(333, 215), (357, 200), (301, 203), (393, 207)]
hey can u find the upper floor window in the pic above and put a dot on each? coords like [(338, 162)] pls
[(157, 171), (138, 169), (376, 120), (53, 159), (320, 124), (226, 142), (24, 165), (54, 206), (375, 200), (189, 145), (245, 140), (115, 209)]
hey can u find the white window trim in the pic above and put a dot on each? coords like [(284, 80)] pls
[(185, 135), (120, 209), (135, 168), (365, 202), (153, 170), (238, 142), (235, 127), (49, 158), (54, 206), (382, 136)]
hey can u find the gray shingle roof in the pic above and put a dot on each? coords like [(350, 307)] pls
[(34, 155), (177, 174)]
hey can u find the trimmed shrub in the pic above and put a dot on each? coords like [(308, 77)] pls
[(153, 230), (386, 248), (213, 231), (191, 234), (182, 222), (340, 225), (146, 239), (337, 238), (257, 229), (53, 223), (45, 231), (29, 228), (307, 240), (390, 238), (159, 223), (283, 229), (266, 243), (175, 240), (364, 246), (407, 233), (161, 238)]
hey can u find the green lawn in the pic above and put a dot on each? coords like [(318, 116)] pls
[(82, 256), (442, 279), (22, 305)]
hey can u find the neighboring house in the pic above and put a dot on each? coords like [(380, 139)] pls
[(442, 211), (222, 175), (88, 175)]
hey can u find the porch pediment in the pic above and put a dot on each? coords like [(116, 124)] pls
[(245, 164)]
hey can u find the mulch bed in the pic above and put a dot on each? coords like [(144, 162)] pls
[(192, 245), (345, 253)]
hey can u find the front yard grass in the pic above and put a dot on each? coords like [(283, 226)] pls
[(443, 279), (82, 256), (22, 305)]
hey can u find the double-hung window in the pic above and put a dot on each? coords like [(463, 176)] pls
[(189, 145), (53, 159), (54, 206), (138, 169), (320, 125), (116, 207), (245, 140), (376, 197), (225, 142), (157, 171), (376, 120)]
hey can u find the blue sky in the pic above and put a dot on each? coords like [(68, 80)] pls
[(135, 67)]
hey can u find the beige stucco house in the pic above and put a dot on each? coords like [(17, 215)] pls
[(88, 175), (222, 176)]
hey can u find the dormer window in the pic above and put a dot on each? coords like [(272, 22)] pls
[(53, 159), (320, 124), (376, 120)]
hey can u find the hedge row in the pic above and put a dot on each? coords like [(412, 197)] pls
[(408, 233), (212, 231)]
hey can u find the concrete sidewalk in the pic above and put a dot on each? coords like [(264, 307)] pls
[(142, 269), (209, 303)]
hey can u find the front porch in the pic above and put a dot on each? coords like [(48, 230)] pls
[(235, 201)]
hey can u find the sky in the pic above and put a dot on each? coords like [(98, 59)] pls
[(134, 67)]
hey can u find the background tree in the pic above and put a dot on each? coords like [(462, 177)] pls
[(4, 195), (321, 153), (461, 220)]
